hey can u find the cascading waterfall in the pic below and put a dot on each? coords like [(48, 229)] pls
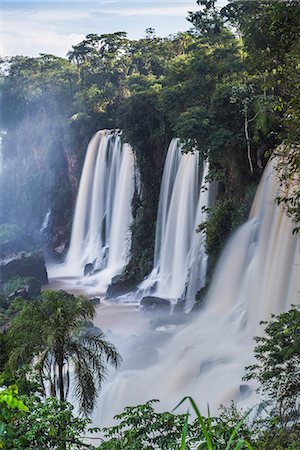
[(197, 262), (121, 212), (2, 133), (179, 259), (45, 224), (170, 171), (101, 226), (258, 274)]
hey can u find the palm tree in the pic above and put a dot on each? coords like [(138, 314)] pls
[(51, 334), (79, 55)]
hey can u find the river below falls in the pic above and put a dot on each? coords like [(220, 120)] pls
[(137, 335)]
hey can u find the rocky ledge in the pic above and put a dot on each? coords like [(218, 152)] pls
[(24, 265)]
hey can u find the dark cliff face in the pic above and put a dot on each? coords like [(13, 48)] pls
[(25, 177), (34, 164), (73, 170), (149, 138), (24, 265)]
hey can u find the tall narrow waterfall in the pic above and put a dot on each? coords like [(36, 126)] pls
[(180, 259), (170, 171), (101, 225), (258, 274), (2, 133)]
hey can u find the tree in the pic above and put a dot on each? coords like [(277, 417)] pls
[(208, 21), (10, 406), (271, 39), (30, 423), (287, 163), (277, 366), (50, 333), (141, 427)]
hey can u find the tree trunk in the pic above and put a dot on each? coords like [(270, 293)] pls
[(61, 381), (248, 143)]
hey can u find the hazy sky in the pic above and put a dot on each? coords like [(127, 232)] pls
[(46, 26)]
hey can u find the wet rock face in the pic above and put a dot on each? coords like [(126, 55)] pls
[(13, 240), (95, 301), (19, 293), (24, 265), (155, 304), (88, 269), (120, 285)]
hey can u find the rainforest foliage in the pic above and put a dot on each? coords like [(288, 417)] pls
[(228, 88)]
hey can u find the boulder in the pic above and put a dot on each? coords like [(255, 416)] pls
[(155, 304), (95, 301), (245, 391), (88, 269), (120, 285), (60, 249), (24, 265), (19, 293)]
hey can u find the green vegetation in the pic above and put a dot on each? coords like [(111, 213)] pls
[(10, 403), (50, 423), (29, 423), (30, 284), (8, 232), (227, 88), (9, 307), (44, 337), (278, 365), (141, 427), (50, 334), (287, 164), (275, 425)]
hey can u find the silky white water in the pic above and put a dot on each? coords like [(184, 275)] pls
[(258, 274), (2, 133), (180, 261), (101, 225), (169, 175), (46, 221)]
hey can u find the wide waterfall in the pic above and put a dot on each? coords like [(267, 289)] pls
[(179, 261), (101, 225), (258, 274)]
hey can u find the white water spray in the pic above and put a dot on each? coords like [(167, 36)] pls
[(180, 260), (258, 274), (101, 226), (2, 133)]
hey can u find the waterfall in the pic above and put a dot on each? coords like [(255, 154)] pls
[(101, 225), (169, 175), (197, 262), (179, 261), (258, 274), (121, 212), (45, 224), (2, 133)]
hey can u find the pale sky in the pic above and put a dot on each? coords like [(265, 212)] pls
[(46, 26)]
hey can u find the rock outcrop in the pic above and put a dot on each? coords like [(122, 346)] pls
[(24, 265)]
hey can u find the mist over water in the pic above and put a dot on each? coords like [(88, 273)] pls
[(258, 274)]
